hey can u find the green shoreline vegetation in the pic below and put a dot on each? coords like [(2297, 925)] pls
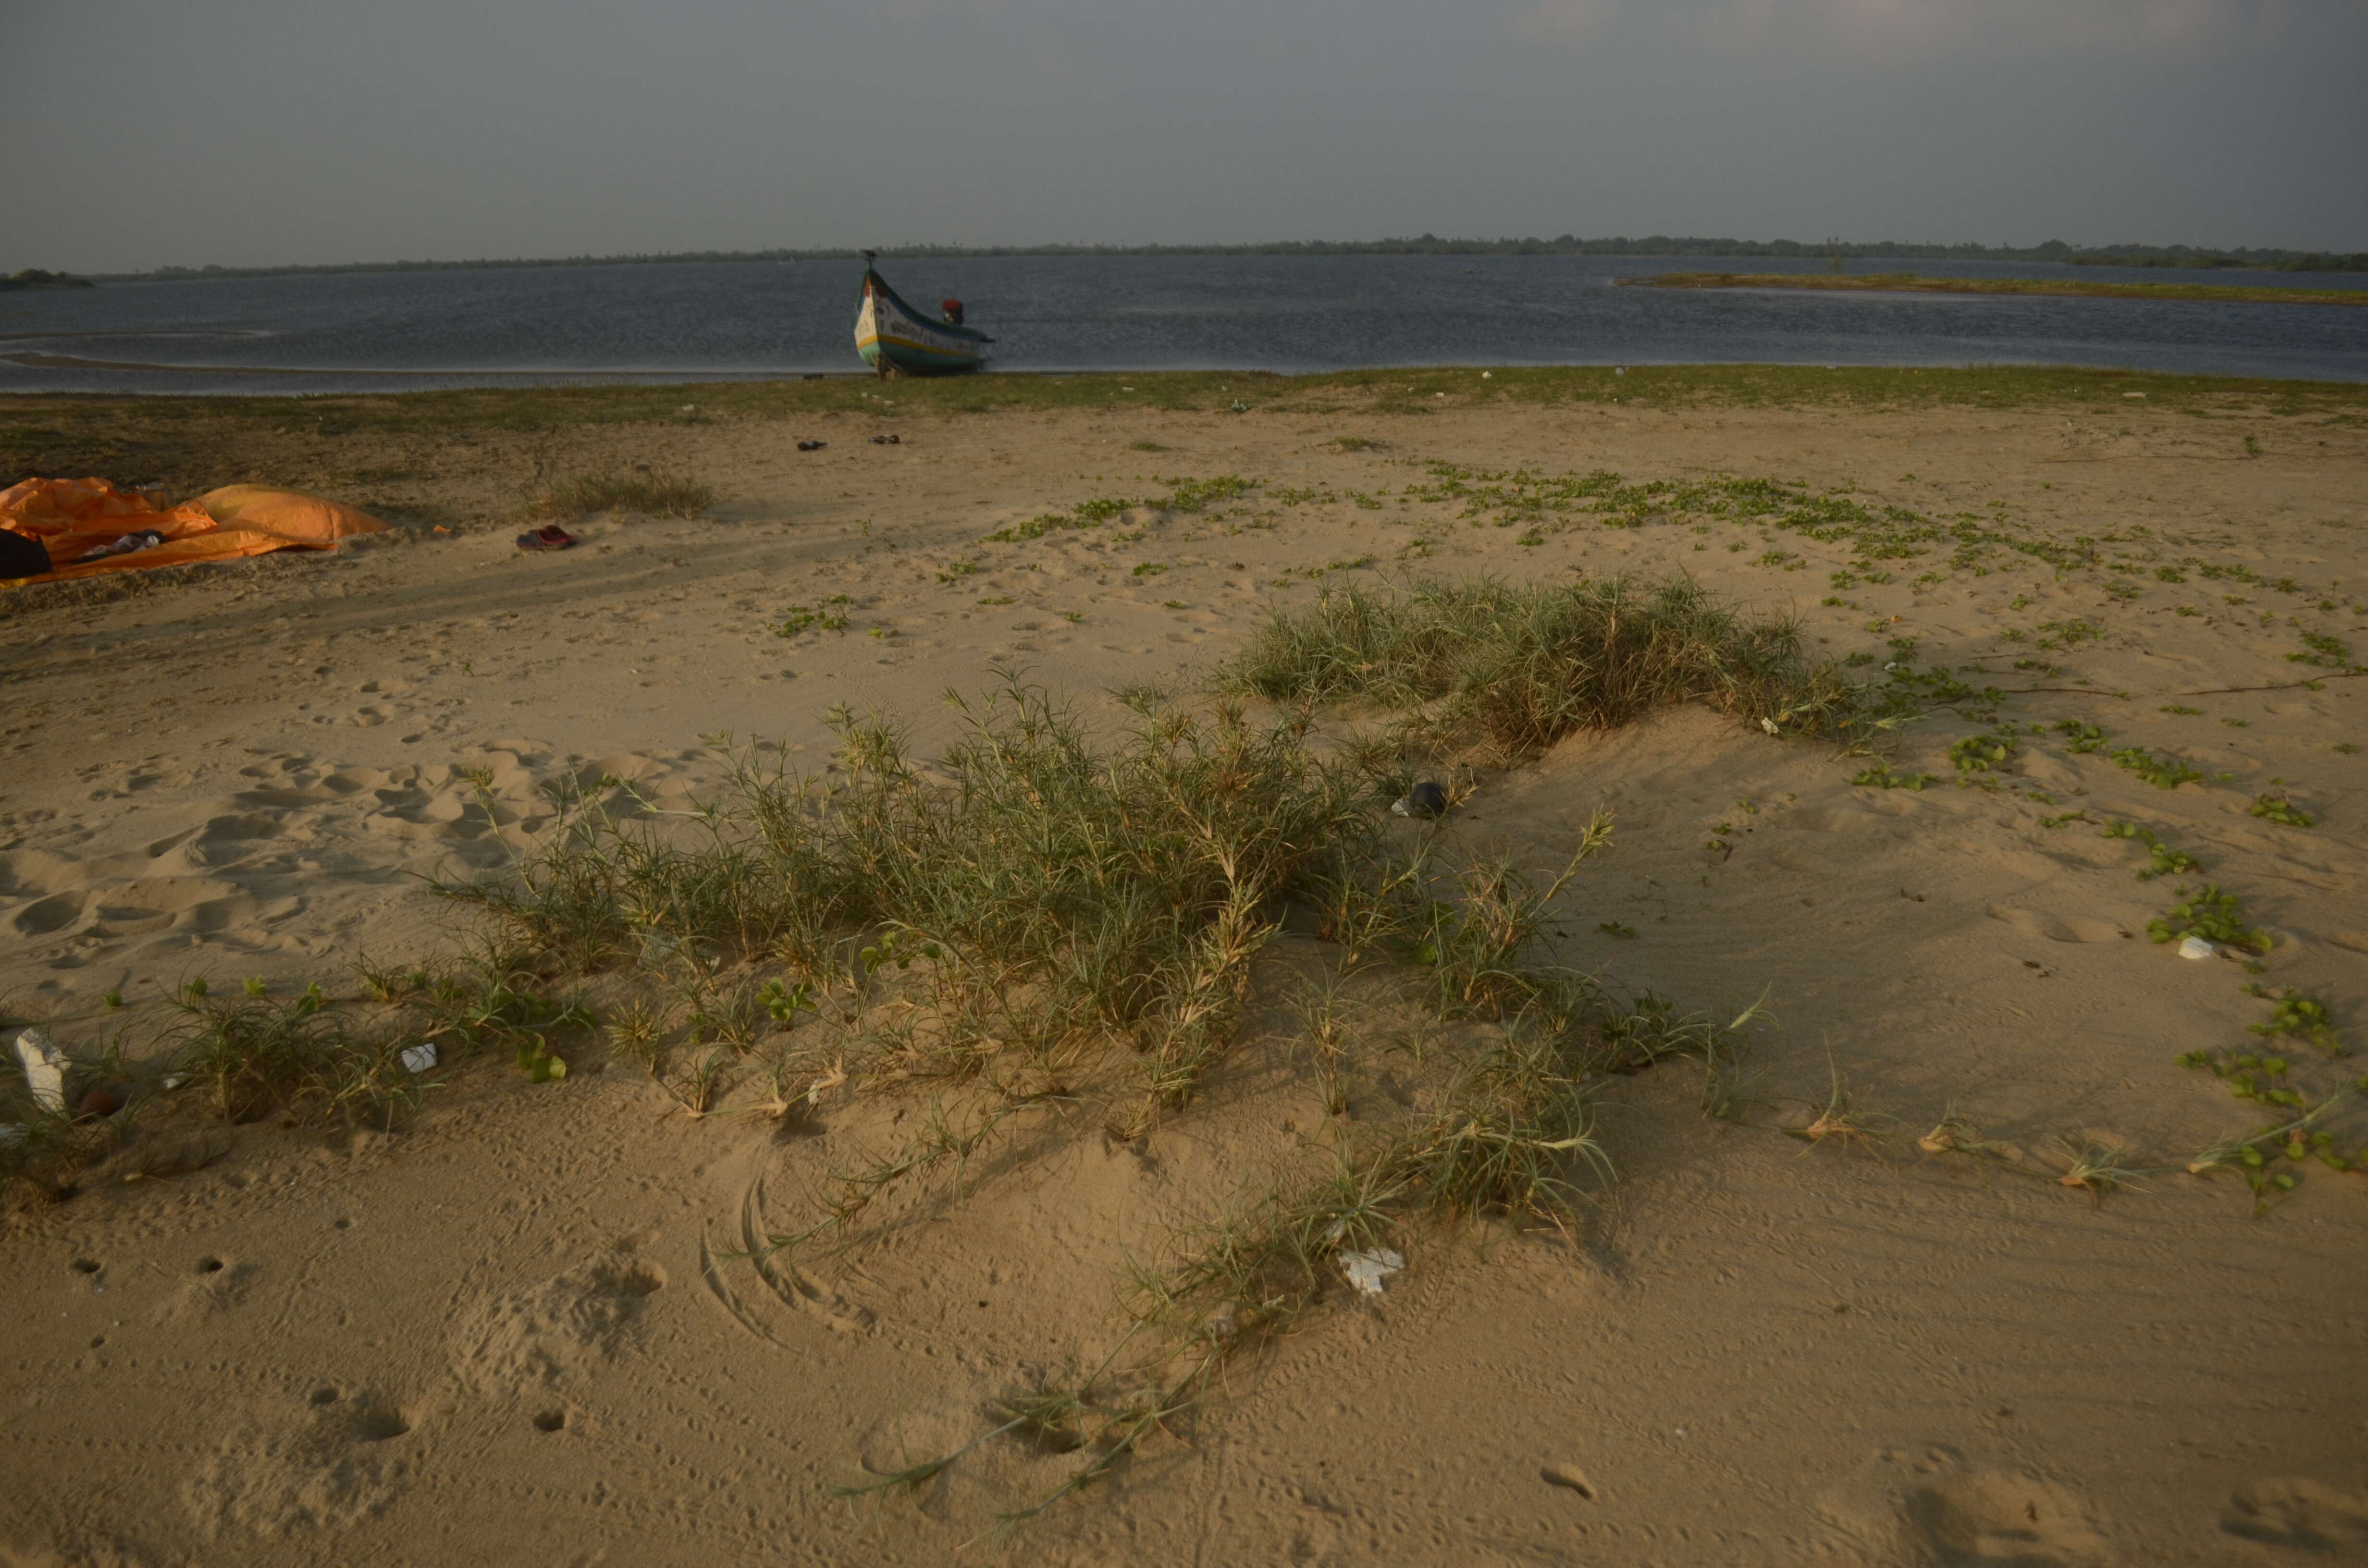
[(2082, 287), (50, 432), (2059, 251)]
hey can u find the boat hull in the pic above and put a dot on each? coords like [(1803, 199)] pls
[(891, 336)]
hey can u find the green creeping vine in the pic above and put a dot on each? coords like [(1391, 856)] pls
[(2215, 916), (2166, 861), (2162, 772)]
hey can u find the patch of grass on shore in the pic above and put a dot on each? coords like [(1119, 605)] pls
[(649, 493), (1053, 896), (1878, 535), (1910, 282), (1510, 669), (43, 433)]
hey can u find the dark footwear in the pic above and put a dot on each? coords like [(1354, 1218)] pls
[(1425, 800), (551, 538), (811, 445)]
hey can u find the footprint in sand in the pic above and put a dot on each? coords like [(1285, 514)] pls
[(214, 1285), (2303, 1515), (331, 1461), (787, 1284), (49, 916), (142, 906), (554, 1333), (1927, 1505), (2058, 927)]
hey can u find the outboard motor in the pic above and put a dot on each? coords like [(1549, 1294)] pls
[(954, 312)]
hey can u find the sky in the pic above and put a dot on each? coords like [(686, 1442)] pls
[(252, 133)]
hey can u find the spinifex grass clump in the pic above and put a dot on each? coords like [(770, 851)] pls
[(1050, 894), (653, 494), (255, 1055), (1513, 668)]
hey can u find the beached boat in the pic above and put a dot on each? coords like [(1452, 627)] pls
[(896, 338)]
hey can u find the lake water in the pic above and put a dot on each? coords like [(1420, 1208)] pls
[(674, 322)]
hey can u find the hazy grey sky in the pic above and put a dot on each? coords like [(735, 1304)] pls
[(146, 133)]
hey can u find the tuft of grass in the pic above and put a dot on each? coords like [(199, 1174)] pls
[(1509, 669), (1840, 1117), (2093, 1165), (645, 491), (1052, 894), (1955, 1133), (252, 1056), (1323, 1012)]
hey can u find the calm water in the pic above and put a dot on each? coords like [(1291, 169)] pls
[(682, 322)]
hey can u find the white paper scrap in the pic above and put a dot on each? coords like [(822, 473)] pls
[(1366, 1271), (45, 1070)]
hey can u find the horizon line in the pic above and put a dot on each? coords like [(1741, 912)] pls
[(1643, 246)]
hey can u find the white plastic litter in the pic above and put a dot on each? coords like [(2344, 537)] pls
[(420, 1058), (2197, 948), (45, 1070), (1366, 1271)]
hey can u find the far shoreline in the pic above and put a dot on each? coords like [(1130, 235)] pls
[(2073, 288)]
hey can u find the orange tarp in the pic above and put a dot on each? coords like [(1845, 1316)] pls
[(70, 517)]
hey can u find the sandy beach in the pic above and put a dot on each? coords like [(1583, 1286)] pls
[(511, 1328)]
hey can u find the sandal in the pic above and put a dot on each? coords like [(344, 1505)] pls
[(551, 538)]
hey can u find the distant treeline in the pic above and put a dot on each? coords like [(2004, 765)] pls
[(1426, 244), (2259, 260), (34, 277)]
